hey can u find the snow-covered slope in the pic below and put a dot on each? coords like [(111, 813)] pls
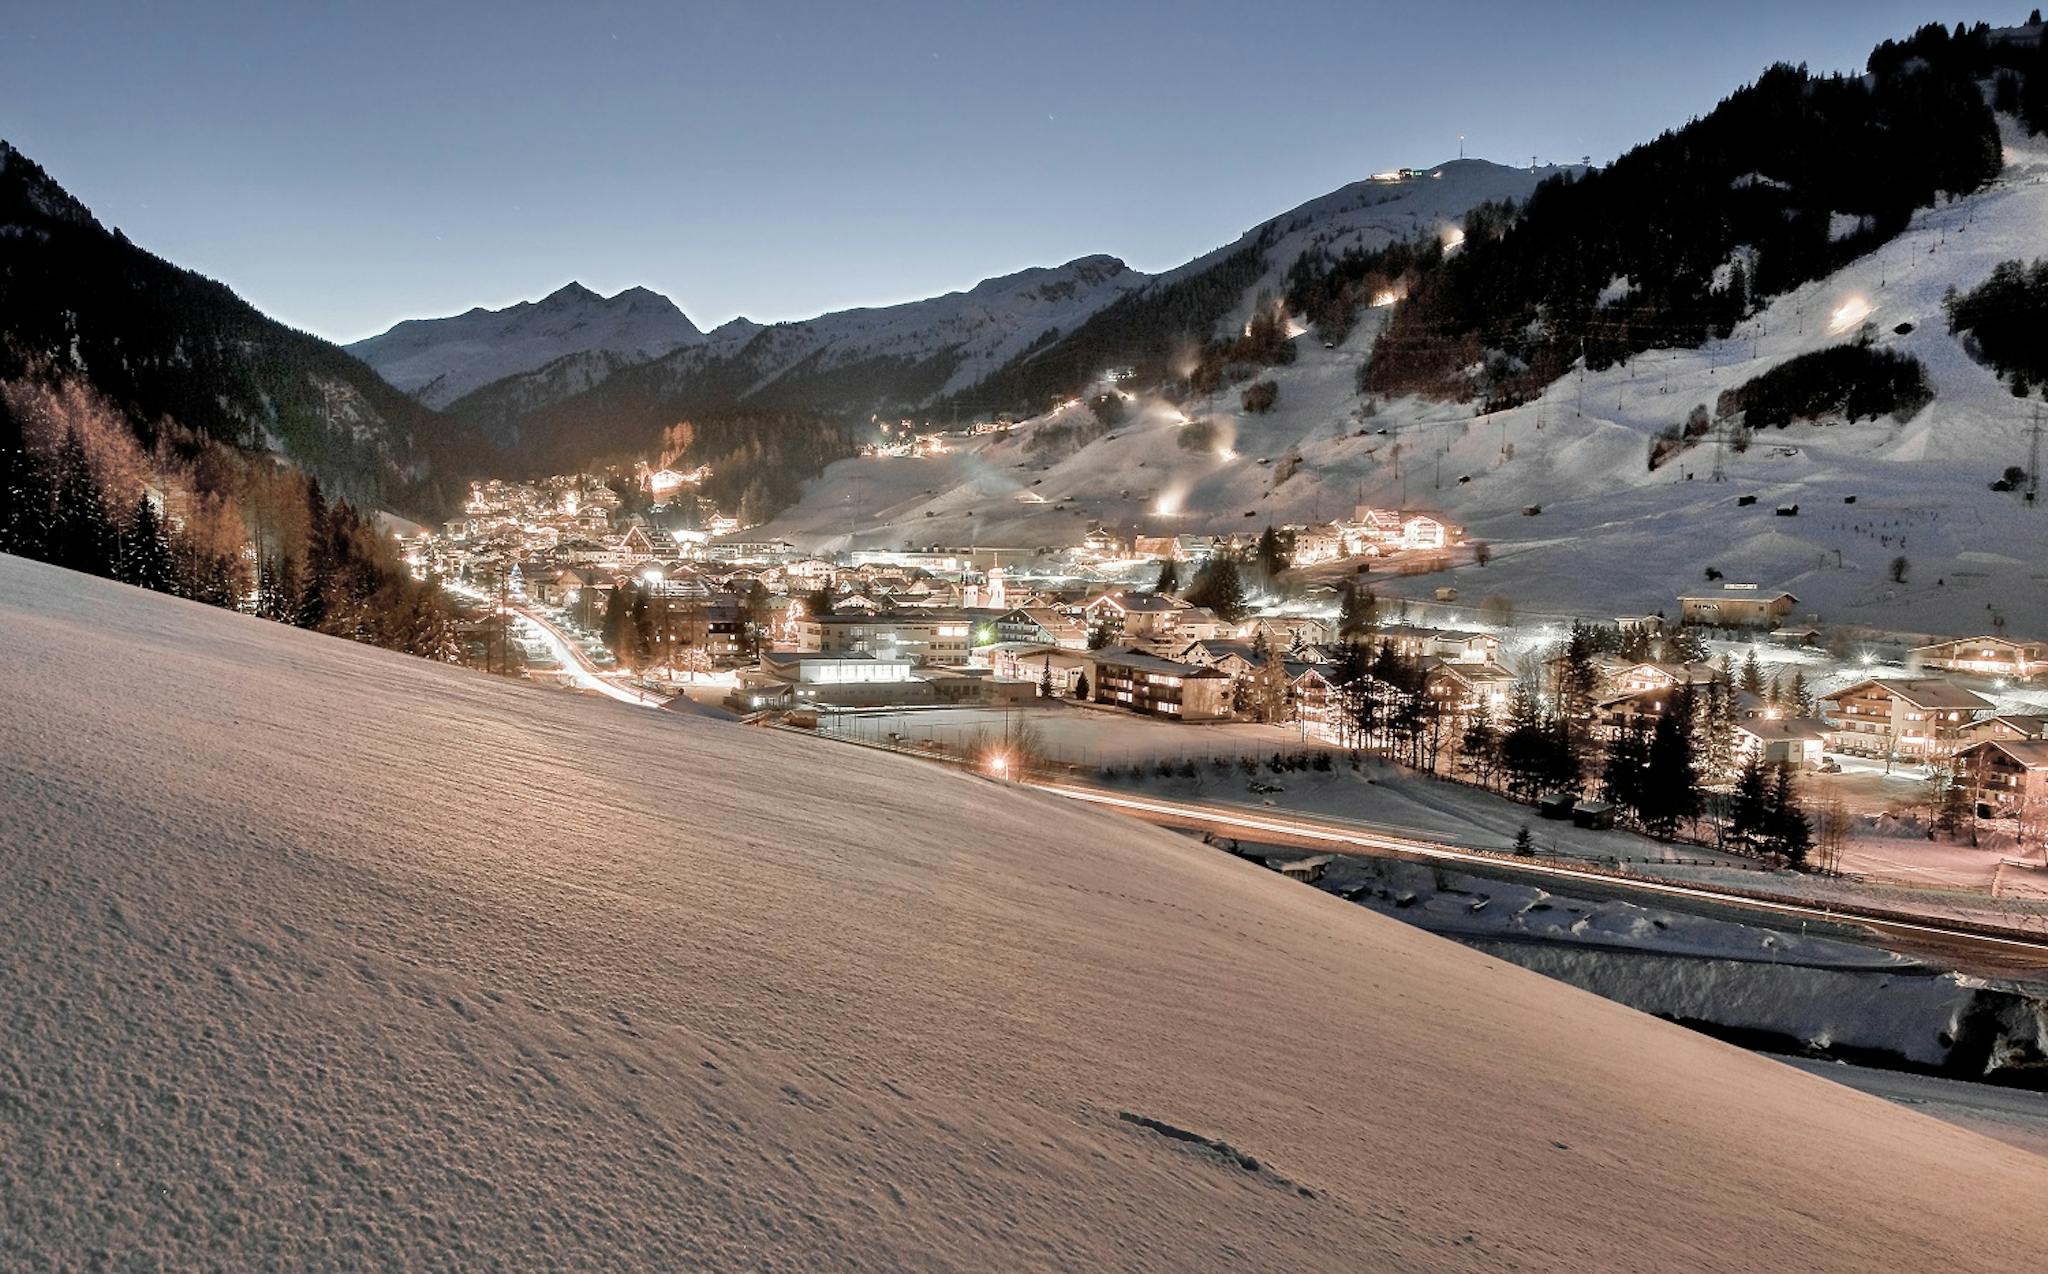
[(1371, 214), (1613, 536), (320, 956), (439, 360)]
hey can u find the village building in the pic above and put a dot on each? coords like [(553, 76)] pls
[(1134, 617), (1423, 532), (1045, 625), (1030, 661), (928, 637), (1234, 659), (712, 623), (1917, 718), (749, 550), (1794, 742), (1737, 606), (2007, 778), (787, 678), (1158, 687), (1632, 678), (2012, 727), (1292, 632), (1635, 709), (1413, 642), (1988, 656), (1199, 623), (1314, 544), (1467, 689), (1313, 697)]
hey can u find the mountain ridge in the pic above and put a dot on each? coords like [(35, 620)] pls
[(161, 343), (439, 360)]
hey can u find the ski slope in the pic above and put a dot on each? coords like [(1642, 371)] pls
[(1613, 537), (319, 956)]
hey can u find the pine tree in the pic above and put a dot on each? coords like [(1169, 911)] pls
[(1790, 834), (1752, 674), (1714, 731), (316, 581), (617, 623), (1527, 756), (1686, 646), (1577, 679), (1956, 808), (145, 551), (1525, 844), (1357, 611), (1799, 696), (1621, 780), (1272, 554), (1749, 812), (26, 494), (642, 650), (83, 537), (1081, 685), (1670, 784), (1219, 587), (1269, 689), (1045, 686), (1169, 577), (1479, 746)]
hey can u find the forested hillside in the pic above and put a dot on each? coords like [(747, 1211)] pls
[(163, 345), (1783, 182)]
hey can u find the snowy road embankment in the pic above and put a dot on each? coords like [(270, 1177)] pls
[(1808, 992)]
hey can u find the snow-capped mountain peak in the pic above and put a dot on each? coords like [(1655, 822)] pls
[(439, 360)]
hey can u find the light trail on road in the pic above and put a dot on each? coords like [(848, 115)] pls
[(582, 672)]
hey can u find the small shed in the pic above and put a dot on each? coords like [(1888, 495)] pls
[(1591, 813), (1306, 870), (1556, 805)]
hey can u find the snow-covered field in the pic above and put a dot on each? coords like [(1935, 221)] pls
[(321, 956), (1077, 734), (1612, 537)]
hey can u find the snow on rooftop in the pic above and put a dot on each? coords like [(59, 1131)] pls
[(319, 955)]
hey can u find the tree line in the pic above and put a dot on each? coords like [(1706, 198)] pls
[(1681, 770), (316, 564), (2001, 321), (1704, 222)]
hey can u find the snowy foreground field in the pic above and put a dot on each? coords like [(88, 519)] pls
[(320, 956)]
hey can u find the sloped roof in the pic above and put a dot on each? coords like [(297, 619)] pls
[(1934, 693)]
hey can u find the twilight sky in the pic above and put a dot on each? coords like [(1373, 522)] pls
[(345, 166)]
